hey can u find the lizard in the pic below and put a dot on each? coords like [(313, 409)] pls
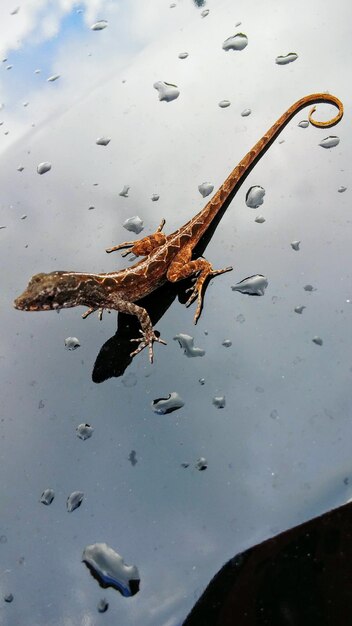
[(166, 257)]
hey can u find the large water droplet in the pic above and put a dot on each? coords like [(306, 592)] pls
[(72, 343), (223, 104), (110, 570), (103, 141), (134, 224), (227, 343), (44, 167), (47, 496), (167, 91), (299, 309), (99, 25), (303, 124), (187, 344), (74, 501), (236, 42), (205, 189), (124, 192), (201, 464), (330, 142), (252, 286), (219, 402), (255, 196), (53, 78), (8, 597), (171, 403), (84, 431), (288, 58), (295, 245), (260, 219), (341, 189)]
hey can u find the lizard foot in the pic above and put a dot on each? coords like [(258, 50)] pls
[(197, 289), (147, 339), (92, 310)]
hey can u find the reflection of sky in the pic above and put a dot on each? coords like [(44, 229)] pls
[(264, 474)]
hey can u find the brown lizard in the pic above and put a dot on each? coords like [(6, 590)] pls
[(167, 257)]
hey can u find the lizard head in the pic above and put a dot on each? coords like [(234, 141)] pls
[(42, 293)]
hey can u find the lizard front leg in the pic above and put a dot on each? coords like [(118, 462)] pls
[(182, 267), (142, 247), (148, 335)]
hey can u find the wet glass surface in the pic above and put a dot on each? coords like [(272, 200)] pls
[(179, 493)]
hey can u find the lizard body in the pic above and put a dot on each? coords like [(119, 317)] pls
[(166, 257)]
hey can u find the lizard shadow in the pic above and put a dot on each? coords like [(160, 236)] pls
[(114, 356)]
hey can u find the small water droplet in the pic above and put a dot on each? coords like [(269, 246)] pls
[(330, 142), (255, 196), (44, 167), (74, 501), (223, 104), (91, 208), (37, 71), (259, 389), (109, 568), (9, 67), (134, 224), (20, 168), (25, 104), (252, 286), (303, 124), (2, 227), (309, 288), (205, 189), (15, 11), (185, 465), (171, 403), (84, 431), (23, 217), (274, 414), (99, 25), (288, 58), (205, 12), (260, 219), (3, 539), (187, 344), (295, 245), (103, 141), (167, 91), (47, 496), (132, 457), (299, 309), (240, 318), (219, 402), (183, 55), (342, 189), (53, 78), (8, 597), (246, 112), (124, 192), (102, 605), (227, 343), (202, 381), (201, 464), (72, 343), (155, 197), (173, 5), (238, 24), (236, 42), (129, 380), (318, 340)]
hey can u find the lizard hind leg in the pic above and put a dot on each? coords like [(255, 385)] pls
[(144, 246)]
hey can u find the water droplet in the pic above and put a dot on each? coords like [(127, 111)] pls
[(330, 142), (91, 208), (252, 286), (72, 343), (227, 343), (132, 458), (185, 465), (167, 91), (23, 217), (246, 112), (134, 224), (103, 141), (205, 12), (15, 11), (25, 104), (187, 344), (240, 318), (236, 42), (259, 389), (318, 340), (303, 124), (124, 192), (37, 71), (173, 5), (260, 219), (74, 501), (342, 189), (102, 605), (9, 67), (288, 58), (20, 168), (2, 227), (219, 402), (183, 55), (3, 539), (274, 414), (53, 78), (110, 570), (202, 381), (171, 403), (129, 380), (99, 25), (47, 496), (84, 431), (44, 167), (255, 196), (223, 104), (309, 288), (205, 189), (8, 597), (295, 245), (201, 464), (299, 309), (155, 197), (238, 24)]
